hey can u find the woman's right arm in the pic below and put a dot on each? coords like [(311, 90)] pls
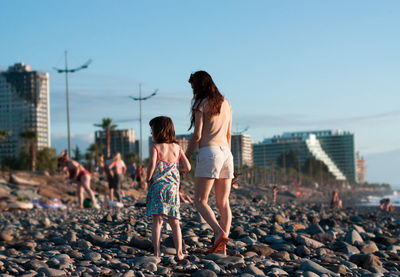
[(152, 164), (198, 128)]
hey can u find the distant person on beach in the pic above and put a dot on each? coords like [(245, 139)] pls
[(132, 169), (79, 175), (117, 170), (141, 177), (100, 165), (275, 191), (336, 202), (166, 160), (211, 117), (386, 205)]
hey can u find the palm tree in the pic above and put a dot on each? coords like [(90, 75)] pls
[(92, 153), (30, 137), (107, 125), (3, 134)]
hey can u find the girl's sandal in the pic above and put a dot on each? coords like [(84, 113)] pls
[(218, 245)]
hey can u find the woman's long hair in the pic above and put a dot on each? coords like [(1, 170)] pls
[(204, 88)]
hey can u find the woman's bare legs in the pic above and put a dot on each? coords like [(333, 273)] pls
[(79, 192), (202, 190), (112, 194), (85, 183), (177, 234), (222, 190), (156, 234)]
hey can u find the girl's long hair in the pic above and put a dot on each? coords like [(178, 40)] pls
[(163, 130), (204, 88)]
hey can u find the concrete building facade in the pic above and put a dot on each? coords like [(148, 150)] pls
[(334, 148), (242, 150), (123, 141), (24, 105)]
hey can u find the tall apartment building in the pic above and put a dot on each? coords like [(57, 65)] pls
[(122, 141), (334, 148), (361, 168), (242, 150), (24, 105)]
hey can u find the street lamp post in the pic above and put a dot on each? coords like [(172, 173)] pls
[(140, 99), (67, 70)]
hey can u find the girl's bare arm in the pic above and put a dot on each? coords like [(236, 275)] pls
[(152, 164), (184, 164)]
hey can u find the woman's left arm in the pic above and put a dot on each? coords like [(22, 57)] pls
[(229, 133)]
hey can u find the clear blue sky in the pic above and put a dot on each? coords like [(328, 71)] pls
[(284, 65)]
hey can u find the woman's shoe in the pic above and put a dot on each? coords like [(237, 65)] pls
[(218, 245)]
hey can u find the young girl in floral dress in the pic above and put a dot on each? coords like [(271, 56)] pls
[(166, 160)]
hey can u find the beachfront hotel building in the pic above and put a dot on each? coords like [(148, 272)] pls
[(242, 150), (24, 105), (360, 168), (334, 148), (123, 141)]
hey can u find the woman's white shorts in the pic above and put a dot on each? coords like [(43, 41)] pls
[(214, 162)]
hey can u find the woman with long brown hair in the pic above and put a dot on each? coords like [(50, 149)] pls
[(211, 117)]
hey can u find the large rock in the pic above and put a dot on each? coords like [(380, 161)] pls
[(281, 256), (238, 232), (309, 242), (141, 243), (252, 269), (344, 247), (366, 260), (23, 181), (352, 237), (314, 229), (205, 273), (316, 268), (99, 241), (6, 235), (146, 259), (279, 219), (369, 248), (261, 249)]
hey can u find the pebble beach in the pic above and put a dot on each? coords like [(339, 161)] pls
[(291, 238)]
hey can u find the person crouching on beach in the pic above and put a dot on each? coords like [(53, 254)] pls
[(166, 160), (79, 175), (212, 121)]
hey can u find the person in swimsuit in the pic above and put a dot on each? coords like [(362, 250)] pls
[(117, 170), (79, 175), (212, 121), (166, 160)]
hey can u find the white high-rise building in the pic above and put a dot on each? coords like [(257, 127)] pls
[(242, 150), (24, 105)]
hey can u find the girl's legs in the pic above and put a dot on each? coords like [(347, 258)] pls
[(222, 191), (177, 234), (203, 187), (112, 194), (85, 182), (156, 234)]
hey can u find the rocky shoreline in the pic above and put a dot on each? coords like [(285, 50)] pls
[(289, 239)]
